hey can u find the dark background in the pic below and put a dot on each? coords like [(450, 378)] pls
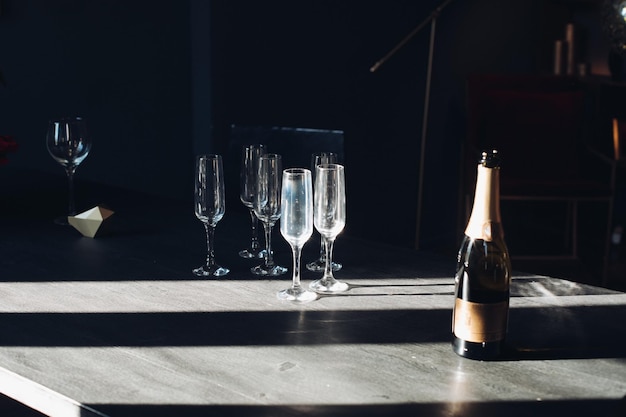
[(159, 81)]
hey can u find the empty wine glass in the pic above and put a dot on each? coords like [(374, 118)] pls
[(267, 208), (296, 225), (248, 176), (319, 264), (68, 142), (209, 207), (329, 219)]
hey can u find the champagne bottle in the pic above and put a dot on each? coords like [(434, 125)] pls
[(483, 272)]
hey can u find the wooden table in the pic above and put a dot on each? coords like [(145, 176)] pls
[(117, 326)]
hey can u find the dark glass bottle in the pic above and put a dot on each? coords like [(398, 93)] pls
[(483, 272)]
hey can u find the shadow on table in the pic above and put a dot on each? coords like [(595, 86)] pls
[(535, 333), (572, 332), (571, 408), (524, 286)]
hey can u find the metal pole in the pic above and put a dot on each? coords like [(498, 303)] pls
[(429, 70), (432, 18)]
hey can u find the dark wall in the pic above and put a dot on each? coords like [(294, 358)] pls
[(307, 63), (159, 81), (123, 65)]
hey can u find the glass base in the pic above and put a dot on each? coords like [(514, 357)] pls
[(264, 270), (207, 271), (296, 294), (319, 266), (252, 253), (328, 286)]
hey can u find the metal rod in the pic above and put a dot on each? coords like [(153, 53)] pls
[(432, 18), (429, 70), (433, 15)]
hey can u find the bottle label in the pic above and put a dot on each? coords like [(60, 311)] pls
[(478, 322)]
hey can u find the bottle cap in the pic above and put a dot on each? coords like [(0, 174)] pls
[(490, 159)]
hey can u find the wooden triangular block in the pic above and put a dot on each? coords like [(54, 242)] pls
[(89, 222)]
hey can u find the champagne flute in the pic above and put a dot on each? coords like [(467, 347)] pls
[(68, 143), (209, 207), (296, 225), (267, 209), (329, 219), (319, 264), (248, 175)]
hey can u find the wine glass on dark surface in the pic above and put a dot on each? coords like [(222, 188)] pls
[(296, 225), (69, 144), (209, 207), (329, 210), (267, 209), (319, 264), (247, 186)]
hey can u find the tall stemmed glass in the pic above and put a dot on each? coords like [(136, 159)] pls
[(329, 219), (248, 176), (209, 207), (296, 225), (267, 208), (68, 142), (319, 264)]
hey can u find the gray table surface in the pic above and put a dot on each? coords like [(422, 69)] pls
[(117, 326)]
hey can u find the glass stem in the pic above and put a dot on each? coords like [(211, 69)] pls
[(297, 252), (210, 235), (70, 182), (254, 244), (328, 267), (322, 250), (269, 256)]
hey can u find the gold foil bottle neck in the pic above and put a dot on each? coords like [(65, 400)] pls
[(485, 222)]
